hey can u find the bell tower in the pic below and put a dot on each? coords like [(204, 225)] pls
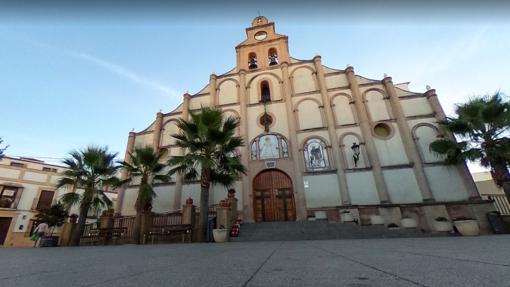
[(263, 47)]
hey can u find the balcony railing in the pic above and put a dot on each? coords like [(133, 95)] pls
[(500, 202)]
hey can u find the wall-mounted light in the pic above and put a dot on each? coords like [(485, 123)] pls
[(355, 153)]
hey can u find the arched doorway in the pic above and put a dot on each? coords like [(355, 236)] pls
[(273, 197)]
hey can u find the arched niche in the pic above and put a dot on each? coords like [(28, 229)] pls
[(309, 114), (342, 106), (316, 154), (424, 134), (254, 87), (377, 105), (347, 141), (169, 128), (269, 146), (303, 80), (228, 92)]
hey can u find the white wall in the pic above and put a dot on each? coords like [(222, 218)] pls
[(446, 183), (322, 190), (402, 186), (362, 189)]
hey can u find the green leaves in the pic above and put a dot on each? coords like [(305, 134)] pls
[(53, 216), (482, 126), (211, 147), (92, 169), (144, 164)]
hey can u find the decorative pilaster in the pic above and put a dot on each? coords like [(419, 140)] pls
[(213, 93), (123, 175), (407, 138), (461, 167), (340, 172), (245, 154), (294, 144), (179, 178), (157, 131), (366, 131)]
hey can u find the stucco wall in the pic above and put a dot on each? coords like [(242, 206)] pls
[(402, 186), (446, 184), (362, 188), (322, 190)]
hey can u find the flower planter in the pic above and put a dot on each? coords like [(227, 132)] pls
[(346, 217), (443, 226), (376, 220), (467, 227), (220, 235), (407, 222)]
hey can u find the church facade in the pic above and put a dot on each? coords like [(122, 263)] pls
[(318, 141)]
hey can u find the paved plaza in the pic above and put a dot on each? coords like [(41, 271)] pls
[(443, 261)]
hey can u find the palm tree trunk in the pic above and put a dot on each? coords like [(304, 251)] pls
[(501, 176), (204, 204), (137, 227), (77, 232)]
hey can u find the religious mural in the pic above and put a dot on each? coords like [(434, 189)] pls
[(316, 156), (269, 146)]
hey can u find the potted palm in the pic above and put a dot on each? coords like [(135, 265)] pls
[(55, 216), (220, 234), (466, 226), (442, 224)]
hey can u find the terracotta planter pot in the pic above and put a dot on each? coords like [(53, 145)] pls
[(347, 217), (376, 220), (408, 222), (443, 226), (467, 227), (220, 235)]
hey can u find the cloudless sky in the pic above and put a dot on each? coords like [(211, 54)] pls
[(68, 80)]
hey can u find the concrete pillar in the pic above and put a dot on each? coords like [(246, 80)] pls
[(157, 131), (461, 167), (129, 149), (179, 177), (67, 230), (366, 131), (213, 90), (245, 152), (299, 190), (222, 217), (188, 214), (232, 205), (407, 138), (337, 157)]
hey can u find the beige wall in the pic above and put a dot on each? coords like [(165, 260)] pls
[(385, 165)]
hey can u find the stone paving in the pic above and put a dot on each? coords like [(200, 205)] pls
[(439, 261)]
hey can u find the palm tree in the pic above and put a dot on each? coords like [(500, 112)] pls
[(481, 126), (211, 145), (144, 165), (91, 169)]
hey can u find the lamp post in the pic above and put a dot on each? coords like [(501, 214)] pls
[(355, 153)]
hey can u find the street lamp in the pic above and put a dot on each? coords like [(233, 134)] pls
[(355, 153)]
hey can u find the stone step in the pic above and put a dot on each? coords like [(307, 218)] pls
[(320, 230)]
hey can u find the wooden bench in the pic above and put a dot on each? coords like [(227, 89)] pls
[(105, 234), (161, 231)]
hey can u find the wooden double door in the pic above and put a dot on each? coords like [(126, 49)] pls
[(273, 197), (5, 222)]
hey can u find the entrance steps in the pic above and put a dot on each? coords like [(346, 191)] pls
[(319, 230)]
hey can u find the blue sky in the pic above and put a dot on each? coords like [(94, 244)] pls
[(66, 83)]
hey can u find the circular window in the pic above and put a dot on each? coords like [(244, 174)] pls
[(382, 130)]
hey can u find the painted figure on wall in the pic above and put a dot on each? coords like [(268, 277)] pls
[(316, 156), (269, 147)]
